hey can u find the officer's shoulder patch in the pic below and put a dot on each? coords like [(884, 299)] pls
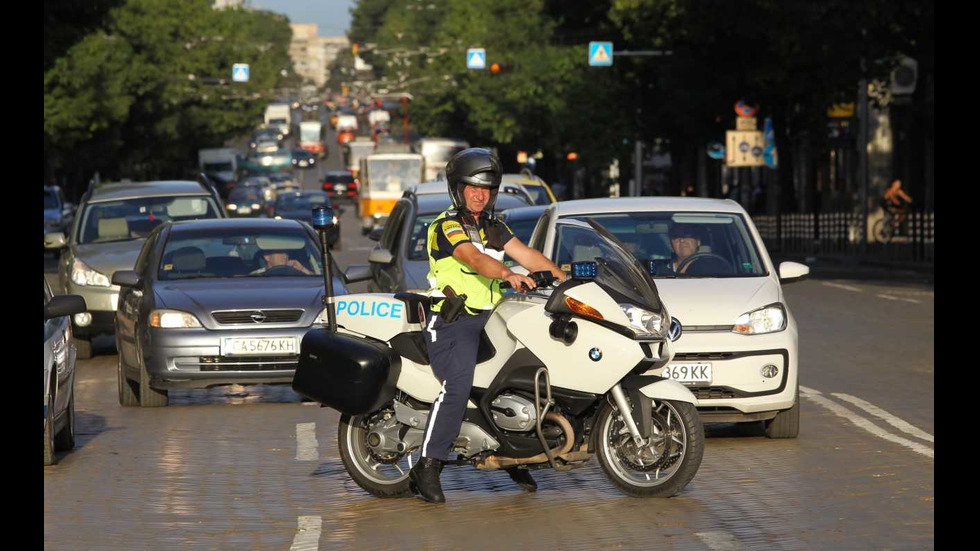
[(454, 232)]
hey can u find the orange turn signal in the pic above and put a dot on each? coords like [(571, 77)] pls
[(582, 308)]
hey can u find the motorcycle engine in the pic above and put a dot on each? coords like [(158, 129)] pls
[(512, 412)]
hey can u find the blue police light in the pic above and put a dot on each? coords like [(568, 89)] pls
[(584, 270), (651, 267), (322, 217)]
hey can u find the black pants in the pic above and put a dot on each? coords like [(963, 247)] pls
[(452, 351)]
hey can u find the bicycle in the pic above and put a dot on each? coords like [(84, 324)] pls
[(890, 225)]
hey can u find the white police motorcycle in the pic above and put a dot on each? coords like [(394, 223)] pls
[(560, 377)]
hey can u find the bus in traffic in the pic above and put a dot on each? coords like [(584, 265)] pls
[(383, 178)]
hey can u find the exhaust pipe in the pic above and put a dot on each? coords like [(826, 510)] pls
[(495, 462)]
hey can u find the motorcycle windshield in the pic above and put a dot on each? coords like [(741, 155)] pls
[(617, 269)]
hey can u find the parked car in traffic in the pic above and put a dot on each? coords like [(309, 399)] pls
[(340, 184), (299, 205), (58, 212), (217, 302), (303, 159), (400, 261), (738, 352), (59, 372), (113, 221), (539, 190), (246, 200)]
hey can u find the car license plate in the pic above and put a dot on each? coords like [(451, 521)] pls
[(245, 210), (259, 346), (688, 373), (340, 187), (304, 163)]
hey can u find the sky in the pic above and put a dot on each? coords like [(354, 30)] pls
[(333, 16)]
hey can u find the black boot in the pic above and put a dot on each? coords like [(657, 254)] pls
[(523, 479), (423, 480)]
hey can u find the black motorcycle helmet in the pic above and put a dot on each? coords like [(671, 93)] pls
[(473, 167)]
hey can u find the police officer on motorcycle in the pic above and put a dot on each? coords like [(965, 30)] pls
[(466, 247)]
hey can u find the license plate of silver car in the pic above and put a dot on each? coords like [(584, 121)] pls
[(259, 346), (688, 373)]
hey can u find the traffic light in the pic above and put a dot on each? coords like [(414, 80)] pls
[(498, 68)]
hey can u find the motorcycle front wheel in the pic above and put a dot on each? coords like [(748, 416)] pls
[(664, 466), (381, 474)]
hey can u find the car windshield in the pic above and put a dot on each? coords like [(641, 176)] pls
[(539, 194), (394, 174), (244, 194), (51, 200), (215, 253), (301, 202), (136, 218), (616, 269), (345, 178), (523, 228), (679, 244)]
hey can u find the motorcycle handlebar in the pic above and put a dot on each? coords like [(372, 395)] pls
[(541, 279)]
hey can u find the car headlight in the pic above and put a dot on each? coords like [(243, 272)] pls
[(172, 319), (644, 322), (81, 274), (231, 206), (768, 319)]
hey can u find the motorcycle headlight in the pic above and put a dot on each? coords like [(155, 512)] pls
[(644, 322), (173, 319), (81, 274), (768, 319)]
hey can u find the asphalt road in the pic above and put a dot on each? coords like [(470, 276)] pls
[(254, 468)]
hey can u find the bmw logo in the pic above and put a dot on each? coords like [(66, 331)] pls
[(258, 317), (675, 330), (595, 354)]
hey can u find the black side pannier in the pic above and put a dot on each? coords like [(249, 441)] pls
[(350, 374)]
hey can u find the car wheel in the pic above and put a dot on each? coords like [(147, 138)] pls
[(49, 457), (83, 348), (65, 439), (127, 397), (786, 423), (149, 396)]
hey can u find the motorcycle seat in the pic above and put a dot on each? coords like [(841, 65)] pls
[(411, 345)]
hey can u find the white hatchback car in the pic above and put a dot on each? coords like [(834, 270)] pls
[(738, 349)]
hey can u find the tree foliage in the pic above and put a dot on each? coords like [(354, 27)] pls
[(138, 96)]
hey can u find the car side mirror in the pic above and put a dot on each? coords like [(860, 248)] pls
[(381, 256), (64, 305), (126, 278), (54, 240), (375, 234), (357, 273), (791, 272)]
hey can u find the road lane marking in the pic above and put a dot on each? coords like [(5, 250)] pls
[(896, 422), (863, 423), (306, 444), (840, 286), (720, 541), (308, 535)]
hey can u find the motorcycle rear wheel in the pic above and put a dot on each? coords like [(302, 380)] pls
[(388, 478), (676, 452)]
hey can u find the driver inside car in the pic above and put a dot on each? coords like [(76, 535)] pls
[(685, 240), (274, 258)]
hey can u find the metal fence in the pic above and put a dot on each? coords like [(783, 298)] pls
[(840, 233)]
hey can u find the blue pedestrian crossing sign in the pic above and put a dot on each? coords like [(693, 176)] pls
[(476, 58), (239, 72), (600, 54)]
